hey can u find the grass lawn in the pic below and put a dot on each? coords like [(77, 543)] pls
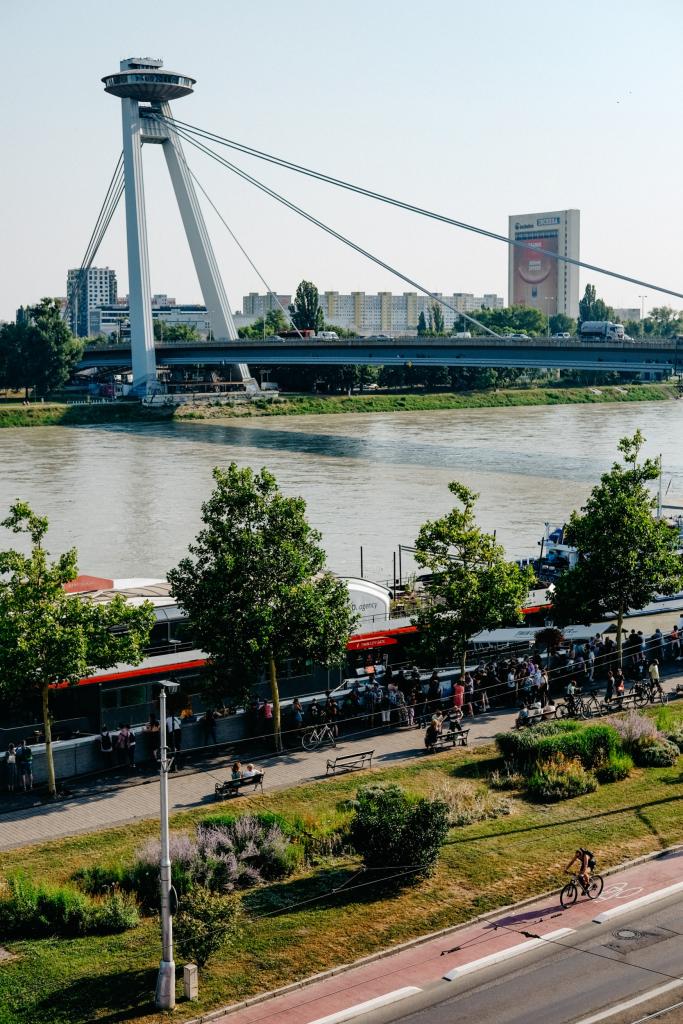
[(483, 866)]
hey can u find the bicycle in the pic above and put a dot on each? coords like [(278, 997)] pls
[(570, 892), (648, 692), (574, 706), (316, 735)]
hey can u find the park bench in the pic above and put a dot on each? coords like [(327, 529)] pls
[(231, 787), (454, 737), (350, 762)]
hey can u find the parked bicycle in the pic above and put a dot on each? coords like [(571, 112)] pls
[(570, 892), (649, 692), (316, 735)]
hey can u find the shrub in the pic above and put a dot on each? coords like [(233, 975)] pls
[(632, 727), (560, 778), (618, 766), (655, 752), (665, 720), (205, 923), (393, 832), (591, 744), (677, 737), (468, 803), (507, 779), (29, 910), (520, 745)]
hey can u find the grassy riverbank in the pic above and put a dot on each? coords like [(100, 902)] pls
[(55, 414), (296, 927)]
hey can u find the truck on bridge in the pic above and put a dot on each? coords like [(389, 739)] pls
[(602, 329)]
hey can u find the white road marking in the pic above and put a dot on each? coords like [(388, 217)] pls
[(629, 1003), (642, 901), (505, 954), (372, 1004)]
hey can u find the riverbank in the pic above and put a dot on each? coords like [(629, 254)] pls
[(58, 414)]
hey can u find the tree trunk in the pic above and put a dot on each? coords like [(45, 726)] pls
[(620, 623), (463, 663), (47, 729), (275, 694)]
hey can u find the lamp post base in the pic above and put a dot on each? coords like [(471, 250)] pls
[(165, 994)]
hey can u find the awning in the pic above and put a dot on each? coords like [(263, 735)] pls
[(368, 643)]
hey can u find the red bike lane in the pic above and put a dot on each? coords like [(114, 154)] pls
[(455, 952)]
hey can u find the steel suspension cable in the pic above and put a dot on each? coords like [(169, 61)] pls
[(413, 208), (325, 227)]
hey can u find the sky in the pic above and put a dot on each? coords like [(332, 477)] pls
[(476, 110)]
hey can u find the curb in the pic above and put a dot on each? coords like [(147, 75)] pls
[(332, 972)]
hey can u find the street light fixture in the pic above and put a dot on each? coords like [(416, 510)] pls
[(642, 311), (165, 991)]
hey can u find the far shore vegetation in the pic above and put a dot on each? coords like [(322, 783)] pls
[(14, 414)]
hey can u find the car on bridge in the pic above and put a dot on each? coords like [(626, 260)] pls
[(524, 337)]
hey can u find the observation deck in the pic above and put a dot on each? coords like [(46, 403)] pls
[(145, 80)]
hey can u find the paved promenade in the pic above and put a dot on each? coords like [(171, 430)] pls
[(97, 806)]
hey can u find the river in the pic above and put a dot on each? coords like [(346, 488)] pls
[(129, 497)]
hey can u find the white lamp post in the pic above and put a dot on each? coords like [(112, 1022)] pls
[(165, 993)]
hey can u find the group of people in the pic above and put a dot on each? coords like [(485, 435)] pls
[(118, 748), (19, 766)]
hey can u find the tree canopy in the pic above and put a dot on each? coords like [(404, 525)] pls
[(626, 554), (38, 351), (174, 332), (513, 319), (255, 587), (473, 587), (593, 308), (306, 311), (49, 637)]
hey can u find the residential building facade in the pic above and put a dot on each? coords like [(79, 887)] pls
[(87, 290)]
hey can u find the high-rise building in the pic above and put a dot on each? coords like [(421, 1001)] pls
[(537, 279), (384, 313), (257, 305), (86, 291)]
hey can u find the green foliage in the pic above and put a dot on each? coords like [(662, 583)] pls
[(560, 778), (469, 802), (421, 325), (616, 768), (473, 585), (30, 910), (48, 636), (512, 320), (561, 324), (593, 308), (592, 745), (655, 752), (663, 322), (38, 351), (174, 332), (274, 322), (254, 584), (265, 819), (626, 555), (205, 924), (306, 312), (676, 736), (396, 835)]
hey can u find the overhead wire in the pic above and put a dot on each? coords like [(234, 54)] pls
[(323, 226), (413, 208)]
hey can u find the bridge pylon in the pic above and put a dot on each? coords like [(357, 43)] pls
[(145, 89)]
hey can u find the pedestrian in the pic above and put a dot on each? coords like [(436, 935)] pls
[(11, 767), (25, 762), (675, 642), (106, 748), (609, 687), (173, 733), (209, 726), (122, 745), (131, 746)]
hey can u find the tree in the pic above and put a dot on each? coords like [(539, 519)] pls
[(472, 586), (513, 319), (255, 587), (174, 332), (206, 922), (664, 322), (593, 308), (421, 325), (561, 324), (49, 637), (306, 312), (38, 350), (439, 323), (274, 322), (626, 554)]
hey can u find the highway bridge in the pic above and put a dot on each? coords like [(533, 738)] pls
[(661, 356)]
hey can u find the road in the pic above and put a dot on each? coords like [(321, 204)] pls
[(579, 979)]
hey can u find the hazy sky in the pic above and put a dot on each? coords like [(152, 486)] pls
[(477, 110)]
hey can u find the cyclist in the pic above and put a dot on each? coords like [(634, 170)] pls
[(653, 672), (586, 861), (571, 691)]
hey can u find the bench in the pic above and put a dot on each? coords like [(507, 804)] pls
[(231, 787), (350, 762), (454, 737)]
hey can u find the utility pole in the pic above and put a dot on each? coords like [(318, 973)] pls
[(165, 992)]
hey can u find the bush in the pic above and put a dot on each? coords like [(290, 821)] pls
[(655, 752), (560, 778), (591, 744), (29, 910), (205, 924), (520, 745), (677, 737), (395, 833), (468, 803), (617, 767), (633, 727)]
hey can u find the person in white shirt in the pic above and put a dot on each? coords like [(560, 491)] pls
[(173, 732)]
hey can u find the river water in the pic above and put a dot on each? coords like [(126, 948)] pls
[(129, 497)]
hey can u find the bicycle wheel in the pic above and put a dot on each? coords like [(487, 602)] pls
[(664, 698), (569, 894), (561, 711), (595, 887), (641, 699), (311, 739), (582, 710)]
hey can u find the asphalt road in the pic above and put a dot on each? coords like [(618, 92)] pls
[(573, 981)]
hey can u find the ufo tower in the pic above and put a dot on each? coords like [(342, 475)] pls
[(145, 89)]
